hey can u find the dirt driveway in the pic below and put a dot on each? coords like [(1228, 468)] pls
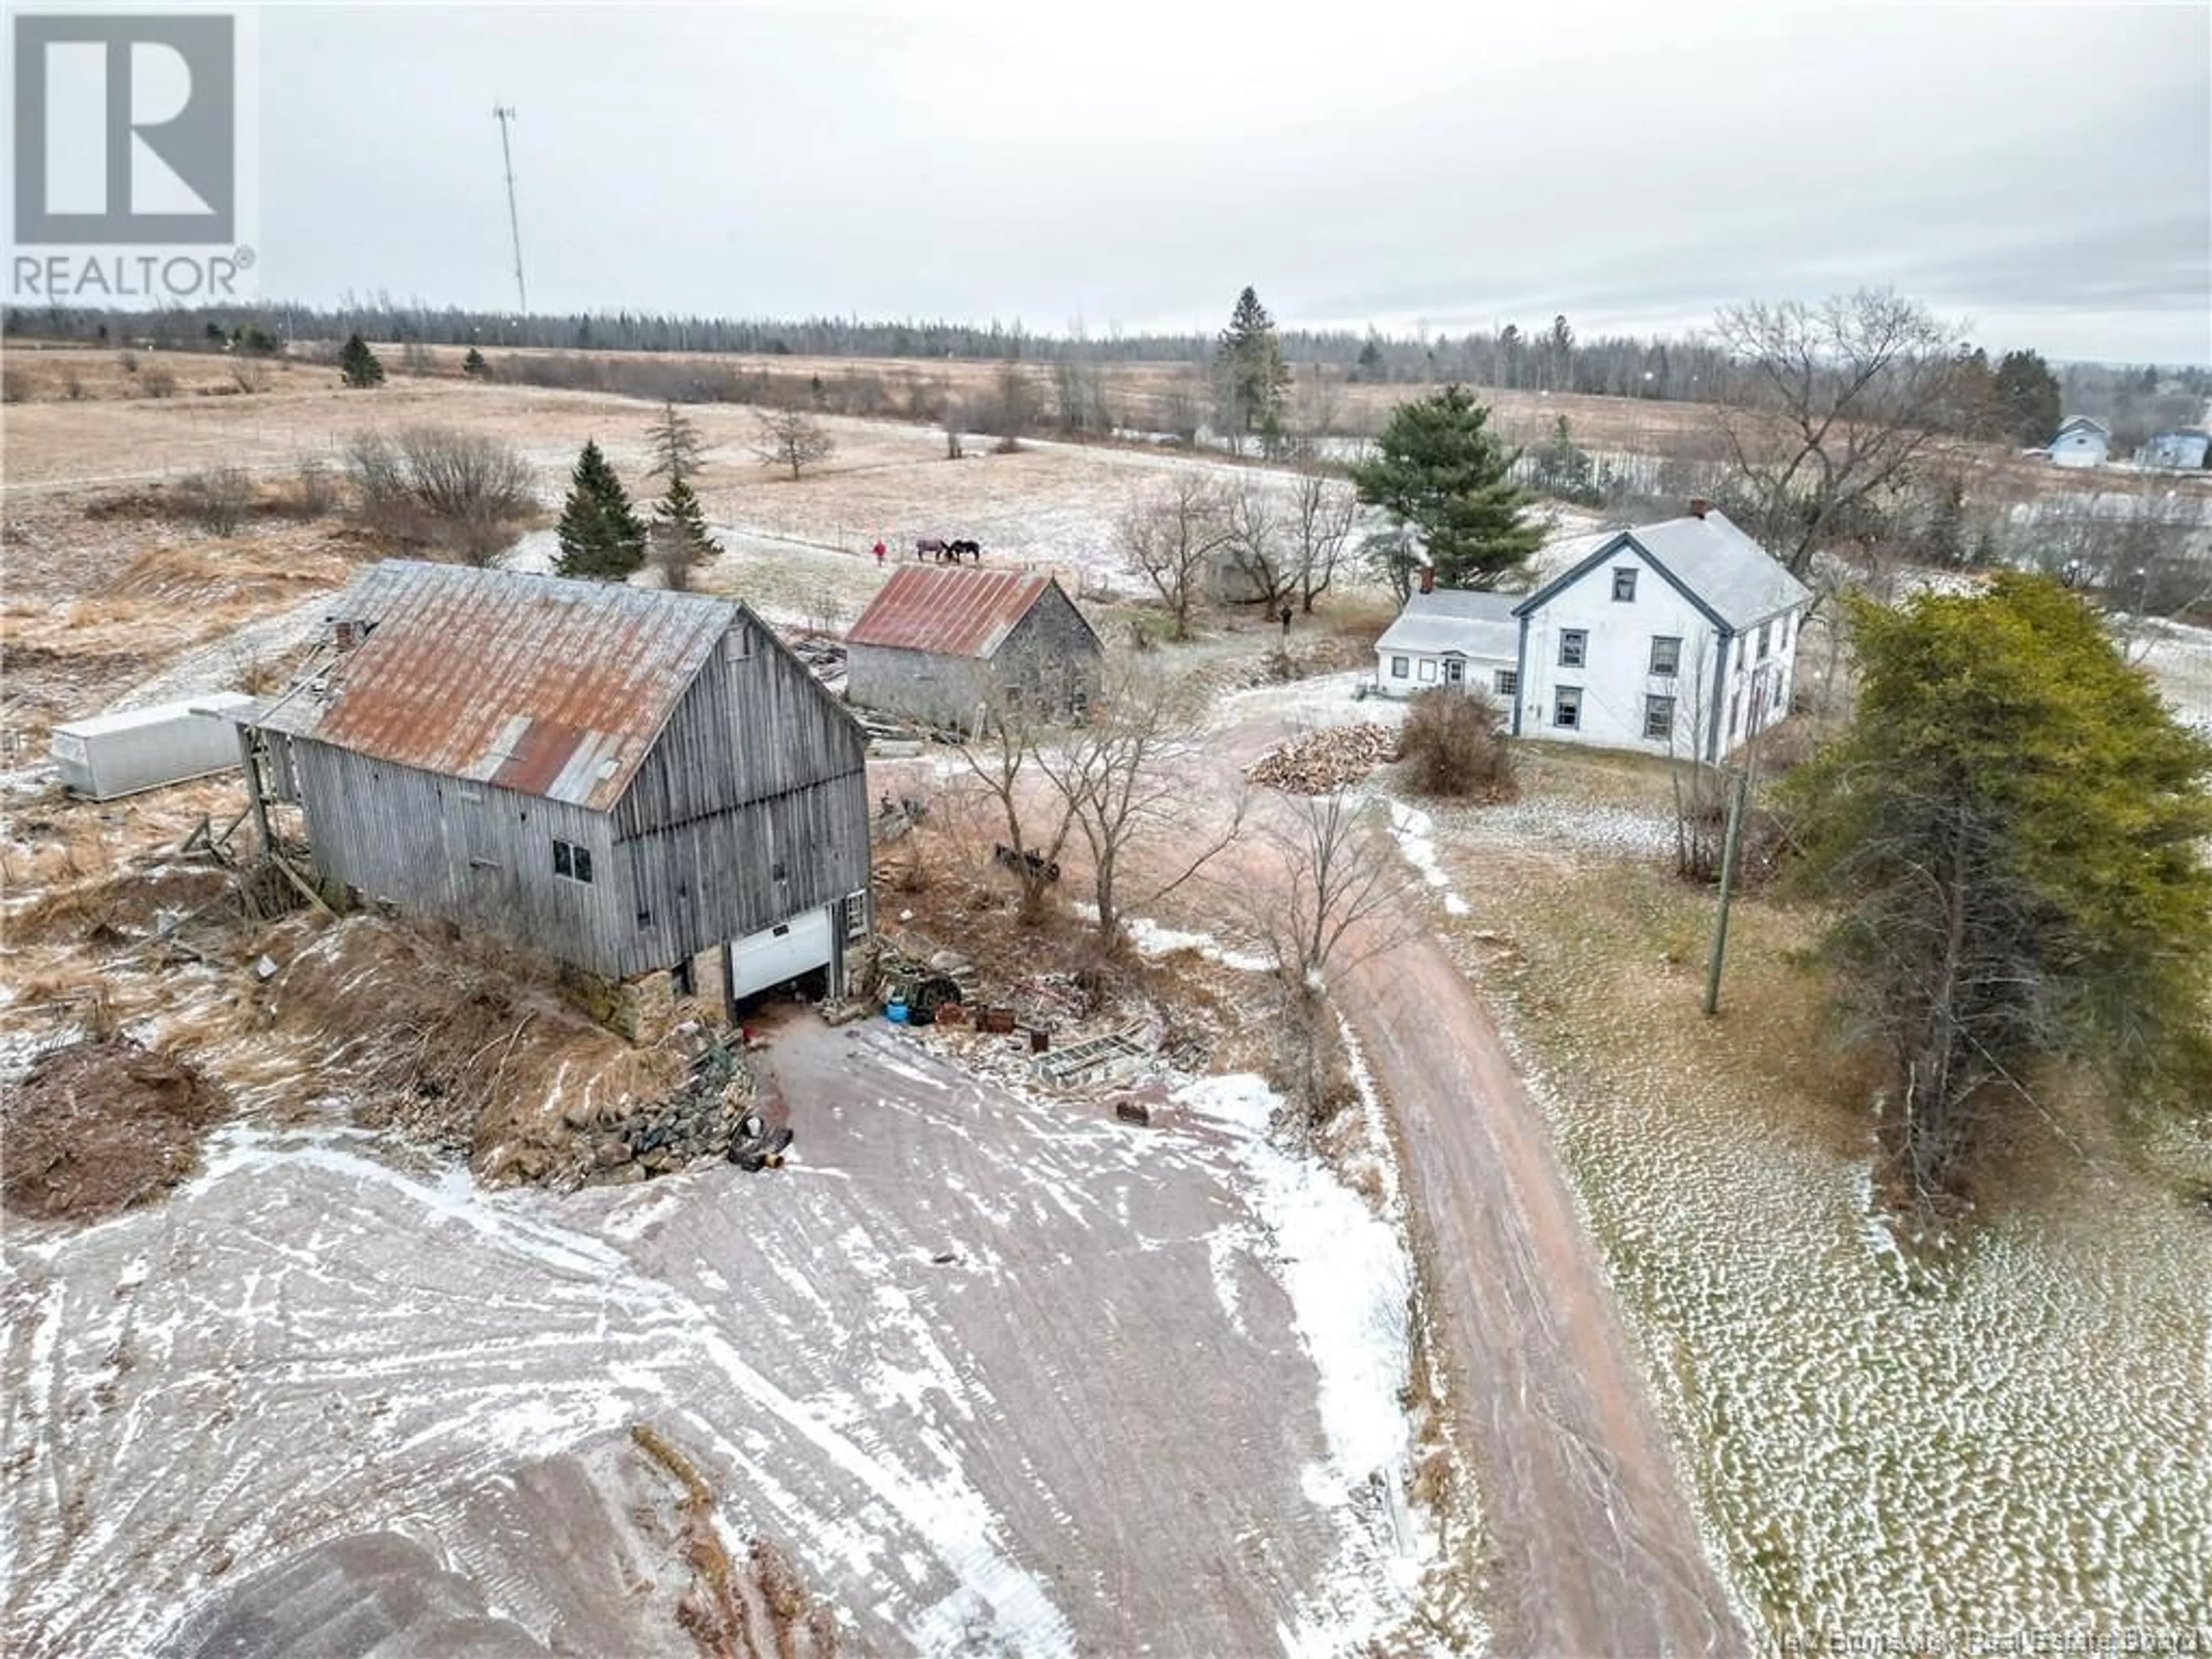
[(1001, 1377), (1598, 1550)]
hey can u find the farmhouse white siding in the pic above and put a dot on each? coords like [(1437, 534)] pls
[(1616, 687), (1673, 638)]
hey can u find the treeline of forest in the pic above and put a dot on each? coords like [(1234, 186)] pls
[(2133, 400)]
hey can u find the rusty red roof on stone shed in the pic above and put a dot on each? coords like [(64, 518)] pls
[(946, 610), (551, 688)]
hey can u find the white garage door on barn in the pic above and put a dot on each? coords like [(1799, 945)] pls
[(782, 952)]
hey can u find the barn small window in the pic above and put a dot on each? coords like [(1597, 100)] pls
[(572, 862), (856, 914), (1623, 585)]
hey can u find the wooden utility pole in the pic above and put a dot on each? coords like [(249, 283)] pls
[(1739, 789)]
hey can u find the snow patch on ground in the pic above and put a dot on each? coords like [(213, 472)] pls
[(1349, 1277), (1416, 832)]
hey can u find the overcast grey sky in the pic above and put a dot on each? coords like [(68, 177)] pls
[(2043, 170)]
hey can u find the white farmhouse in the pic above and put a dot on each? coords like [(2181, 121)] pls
[(1672, 638), (2081, 442)]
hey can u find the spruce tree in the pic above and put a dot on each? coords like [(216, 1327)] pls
[(2027, 397), (1254, 374), (357, 364), (681, 540), (2010, 834), (599, 536), (1438, 472)]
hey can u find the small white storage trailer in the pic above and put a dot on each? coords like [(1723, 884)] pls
[(136, 748)]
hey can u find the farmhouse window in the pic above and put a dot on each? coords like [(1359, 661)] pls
[(1574, 648), (1658, 717), (1766, 632), (1784, 645), (1666, 654), (572, 862), (1400, 668), (1428, 668), (1506, 682), (1567, 706), (1624, 584)]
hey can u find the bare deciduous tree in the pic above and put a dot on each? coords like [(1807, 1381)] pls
[(1334, 880), (1171, 535), (793, 438), (1127, 772), (1317, 529), (1256, 546), (1039, 816), (1826, 406)]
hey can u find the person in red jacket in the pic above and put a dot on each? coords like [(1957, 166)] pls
[(879, 550)]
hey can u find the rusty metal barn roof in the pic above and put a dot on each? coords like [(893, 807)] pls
[(946, 610), (552, 688)]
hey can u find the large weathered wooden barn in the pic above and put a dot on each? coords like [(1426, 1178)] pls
[(953, 647), (620, 778)]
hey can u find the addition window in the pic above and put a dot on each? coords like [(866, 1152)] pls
[(1666, 655), (1658, 717), (1766, 633), (1567, 706), (1574, 647), (1400, 668), (572, 862), (1624, 584), (1506, 682), (1428, 668)]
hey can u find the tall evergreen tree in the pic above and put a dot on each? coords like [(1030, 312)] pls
[(681, 540), (2027, 397), (2011, 831), (1254, 374), (1439, 472), (357, 364), (599, 536)]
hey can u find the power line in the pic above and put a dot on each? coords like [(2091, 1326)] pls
[(505, 112)]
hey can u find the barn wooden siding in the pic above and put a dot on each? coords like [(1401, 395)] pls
[(751, 809), (757, 771), (469, 852)]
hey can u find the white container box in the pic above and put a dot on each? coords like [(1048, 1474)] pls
[(120, 754)]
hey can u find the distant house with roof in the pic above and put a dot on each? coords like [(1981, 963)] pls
[(2184, 448), (2080, 442), (1673, 638), (620, 778), (948, 645)]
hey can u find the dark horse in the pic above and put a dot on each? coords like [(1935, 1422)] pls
[(935, 547)]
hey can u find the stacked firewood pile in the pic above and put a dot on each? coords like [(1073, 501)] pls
[(1332, 758)]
